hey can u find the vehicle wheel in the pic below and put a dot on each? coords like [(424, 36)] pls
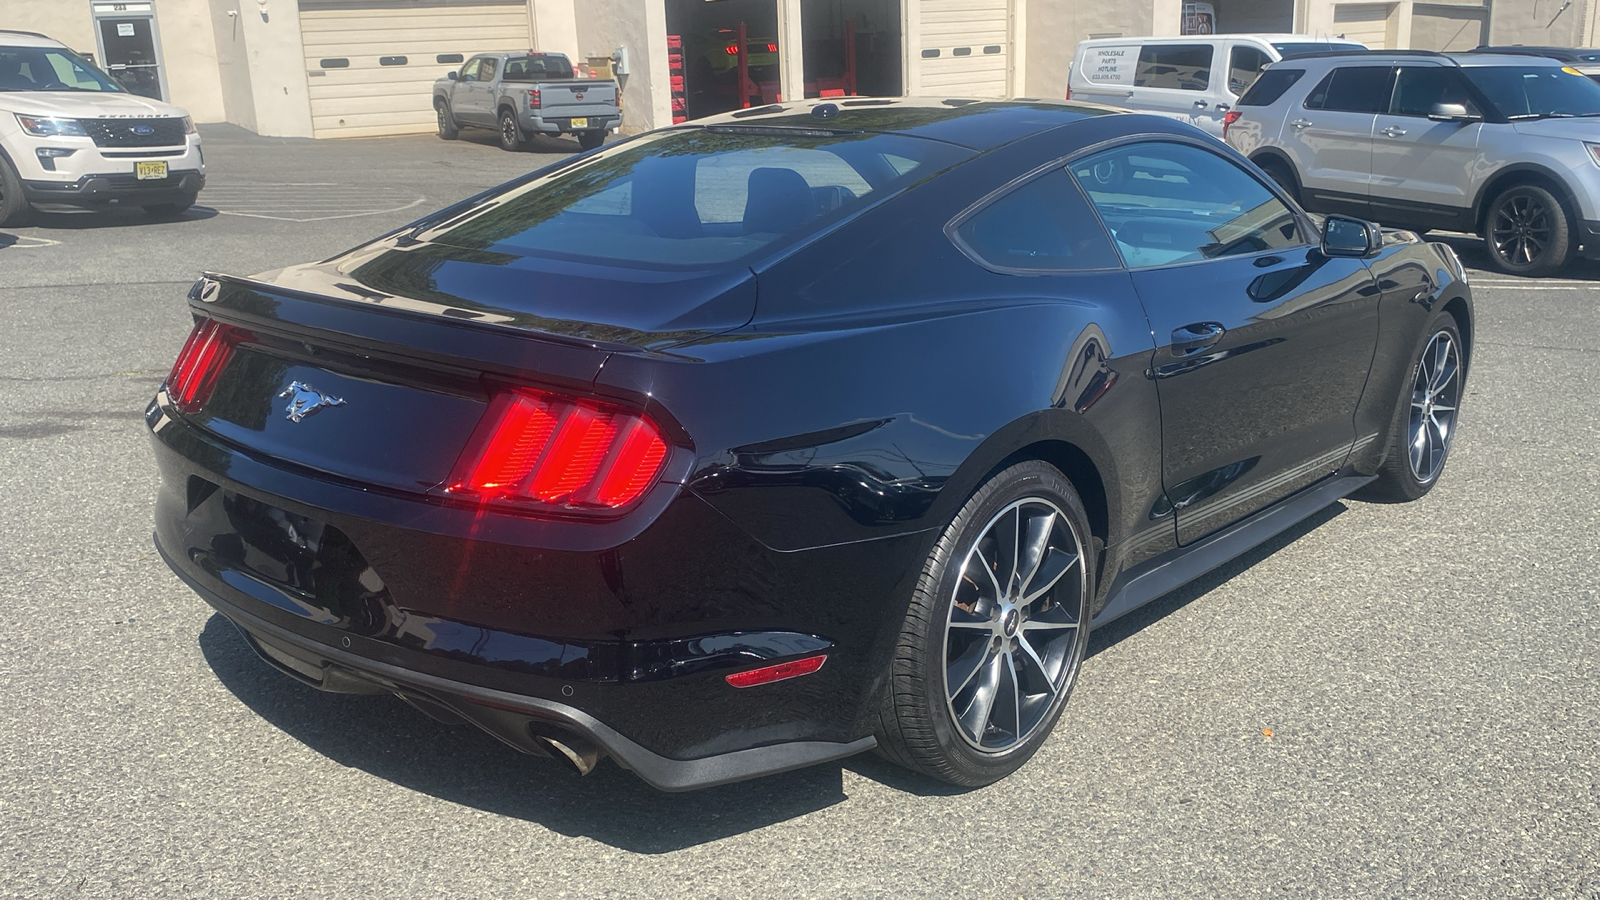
[(447, 122), (1527, 231), (1280, 173), (1425, 418), (510, 131), (589, 140), (995, 632), (14, 207), (170, 210)]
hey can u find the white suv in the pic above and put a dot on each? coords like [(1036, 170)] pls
[(71, 135)]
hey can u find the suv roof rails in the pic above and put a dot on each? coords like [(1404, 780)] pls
[(1431, 54)]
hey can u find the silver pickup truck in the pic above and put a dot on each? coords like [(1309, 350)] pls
[(522, 94)]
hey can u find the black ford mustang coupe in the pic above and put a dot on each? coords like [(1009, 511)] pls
[(762, 441)]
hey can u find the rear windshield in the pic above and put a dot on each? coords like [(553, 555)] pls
[(1536, 92), (537, 68), (698, 196), (1287, 49), (1269, 86)]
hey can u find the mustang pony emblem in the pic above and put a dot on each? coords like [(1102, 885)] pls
[(306, 401)]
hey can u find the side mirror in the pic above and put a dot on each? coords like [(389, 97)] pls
[(1451, 112), (1345, 236), (452, 75)]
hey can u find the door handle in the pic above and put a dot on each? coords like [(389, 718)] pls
[(1222, 107), (1298, 124), (1199, 104), (1194, 337), (1393, 131)]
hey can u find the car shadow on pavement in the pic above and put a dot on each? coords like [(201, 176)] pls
[(539, 143), (383, 737), (85, 219)]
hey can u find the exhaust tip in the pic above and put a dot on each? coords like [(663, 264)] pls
[(574, 752)]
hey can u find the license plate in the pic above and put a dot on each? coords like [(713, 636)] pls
[(580, 123), (149, 171)]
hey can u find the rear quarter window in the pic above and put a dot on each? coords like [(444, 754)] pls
[(1043, 225), (1270, 86)]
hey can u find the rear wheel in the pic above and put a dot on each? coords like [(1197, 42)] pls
[(1527, 231), (589, 140), (995, 633), (447, 122), (510, 132), (13, 206), (1424, 424)]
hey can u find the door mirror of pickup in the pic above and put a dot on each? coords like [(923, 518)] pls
[(1346, 236), (452, 75), (1452, 112)]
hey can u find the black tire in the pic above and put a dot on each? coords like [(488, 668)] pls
[(589, 140), (1426, 416), (511, 138), (169, 210), (1280, 172), (1527, 231), (958, 623), (448, 130), (14, 208)]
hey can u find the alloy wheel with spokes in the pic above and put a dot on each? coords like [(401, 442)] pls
[(1527, 232), (1011, 632), (510, 132), (1435, 398), (995, 632)]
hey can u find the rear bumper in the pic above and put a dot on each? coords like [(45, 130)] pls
[(513, 718), (563, 125), (1589, 235), (94, 190)]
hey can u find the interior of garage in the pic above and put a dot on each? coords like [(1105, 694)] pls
[(847, 47)]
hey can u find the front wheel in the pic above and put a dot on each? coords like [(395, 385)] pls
[(1527, 231), (13, 206), (995, 632), (510, 131), (1425, 418), (448, 130), (589, 140)]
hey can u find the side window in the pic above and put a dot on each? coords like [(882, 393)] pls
[(1169, 203), (1363, 89), (1272, 84), (487, 68), (1180, 67), (1244, 64), (1044, 224), (469, 72), (1418, 88)]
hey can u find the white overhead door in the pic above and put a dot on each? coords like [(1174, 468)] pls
[(1364, 22), (966, 48), (371, 64)]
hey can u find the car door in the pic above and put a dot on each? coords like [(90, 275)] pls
[(1177, 80), (1422, 170), (1329, 137), (1263, 343), (465, 103)]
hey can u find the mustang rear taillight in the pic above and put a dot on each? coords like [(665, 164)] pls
[(540, 449), (201, 361)]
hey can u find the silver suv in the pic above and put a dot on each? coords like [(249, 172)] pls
[(1483, 143)]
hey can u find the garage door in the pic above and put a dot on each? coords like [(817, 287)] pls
[(966, 48), (1365, 22), (371, 64)]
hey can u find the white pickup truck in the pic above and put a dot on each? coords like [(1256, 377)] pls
[(70, 135), (521, 94)]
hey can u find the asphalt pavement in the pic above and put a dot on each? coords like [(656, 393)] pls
[(1387, 701)]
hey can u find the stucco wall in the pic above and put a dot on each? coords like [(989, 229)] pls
[(555, 26), (1439, 27), (69, 23), (277, 61), (233, 64), (1053, 29), (1541, 22), (641, 27)]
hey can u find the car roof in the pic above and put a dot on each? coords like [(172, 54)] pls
[(1585, 54), (971, 123), (12, 38), (1202, 38), (1475, 59)]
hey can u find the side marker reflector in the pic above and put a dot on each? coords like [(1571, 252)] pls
[(779, 672)]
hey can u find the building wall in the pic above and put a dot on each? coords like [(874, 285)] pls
[(1053, 28), (1437, 26), (555, 27), (1540, 22), (233, 64), (188, 49), (640, 27)]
